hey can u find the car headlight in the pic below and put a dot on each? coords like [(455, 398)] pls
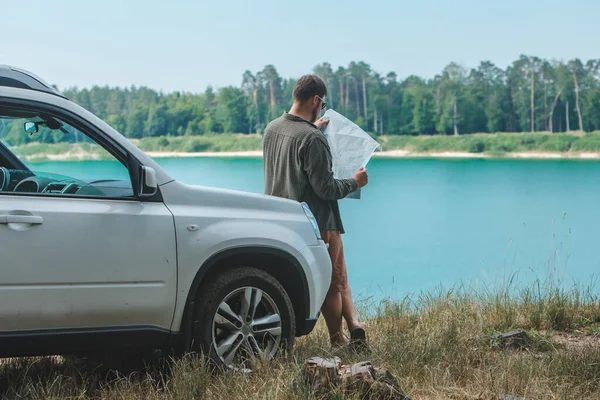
[(312, 219)]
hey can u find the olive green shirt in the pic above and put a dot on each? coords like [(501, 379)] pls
[(298, 166)]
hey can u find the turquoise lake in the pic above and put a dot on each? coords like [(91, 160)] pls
[(426, 223)]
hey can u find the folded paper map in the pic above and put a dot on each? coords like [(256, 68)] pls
[(351, 147)]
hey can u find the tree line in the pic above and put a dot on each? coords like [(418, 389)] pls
[(530, 95)]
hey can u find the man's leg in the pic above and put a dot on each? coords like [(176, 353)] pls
[(343, 284), (357, 332), (332, 306), (332, 312), (348, 309)]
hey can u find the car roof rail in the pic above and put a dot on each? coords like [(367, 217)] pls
[(19, 78)]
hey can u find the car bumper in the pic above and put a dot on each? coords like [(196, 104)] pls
[(307, 327), (319, 266)]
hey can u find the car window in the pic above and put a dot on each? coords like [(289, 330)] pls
[(42, 154)]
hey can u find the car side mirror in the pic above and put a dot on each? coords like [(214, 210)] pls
[(30, 127), (148, 185)]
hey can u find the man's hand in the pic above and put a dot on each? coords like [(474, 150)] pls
[(321, 122), (361, 177)]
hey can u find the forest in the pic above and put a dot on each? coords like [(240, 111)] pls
[(530, 95)]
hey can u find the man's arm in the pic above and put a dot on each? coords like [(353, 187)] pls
[(317, 165)]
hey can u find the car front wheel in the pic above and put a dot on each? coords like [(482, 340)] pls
[(244, 313)]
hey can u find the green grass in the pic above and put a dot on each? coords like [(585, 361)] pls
[(37, 152), (496, 145), (440, 344), (204, 143)]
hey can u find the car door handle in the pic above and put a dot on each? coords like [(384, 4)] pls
[(21, 219)]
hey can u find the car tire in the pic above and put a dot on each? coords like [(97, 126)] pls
[(241, 314)]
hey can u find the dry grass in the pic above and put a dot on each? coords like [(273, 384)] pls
[(440, 345)]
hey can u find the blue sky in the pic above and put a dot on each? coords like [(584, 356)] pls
[(187, 45)]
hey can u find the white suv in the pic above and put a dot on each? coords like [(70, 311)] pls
[(115, 253)]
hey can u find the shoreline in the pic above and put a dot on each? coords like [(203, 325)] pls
[(389, 154), (534, 146), (396, 154)]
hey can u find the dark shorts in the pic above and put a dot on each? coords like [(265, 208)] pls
[(339, 276)]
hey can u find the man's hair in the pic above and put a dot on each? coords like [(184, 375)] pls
[(307, 87)]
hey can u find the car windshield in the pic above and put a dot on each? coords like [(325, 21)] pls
[(43, 154)]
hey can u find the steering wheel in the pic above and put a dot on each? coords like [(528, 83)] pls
[(4, 178)]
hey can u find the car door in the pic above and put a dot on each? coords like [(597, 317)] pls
[(78, 248)]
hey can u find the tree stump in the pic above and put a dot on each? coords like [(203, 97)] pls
[(358, 378), (322, 375), (361, 380), (385, 376)]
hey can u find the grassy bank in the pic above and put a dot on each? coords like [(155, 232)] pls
[(495, 144), (37, 152), (204, 143), (498, 145), (441, 345)]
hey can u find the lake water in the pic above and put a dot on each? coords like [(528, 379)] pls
[(422, 223)]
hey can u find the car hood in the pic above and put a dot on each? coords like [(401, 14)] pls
[(182, 194)]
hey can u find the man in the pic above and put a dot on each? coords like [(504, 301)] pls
[(298, 166)]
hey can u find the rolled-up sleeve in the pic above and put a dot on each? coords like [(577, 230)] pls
[(317, 163)]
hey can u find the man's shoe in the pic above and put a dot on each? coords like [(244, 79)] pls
[(358, 340)]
